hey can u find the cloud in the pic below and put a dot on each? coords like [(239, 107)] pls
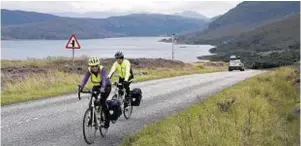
[(39, 6), (207, 8)]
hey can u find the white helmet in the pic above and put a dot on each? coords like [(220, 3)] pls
[(93, 61)]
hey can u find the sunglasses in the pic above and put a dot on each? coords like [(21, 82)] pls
[(118, 57), (94, 66)]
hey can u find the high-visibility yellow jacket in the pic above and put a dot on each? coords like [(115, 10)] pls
[(123, 69)]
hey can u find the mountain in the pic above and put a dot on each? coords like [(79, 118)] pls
[(214, 18), (186, 14), (91, 14), (244, 17), (271, 36), (130, 25), (20, 17), (252, 13), (271, 45), (191, 14)]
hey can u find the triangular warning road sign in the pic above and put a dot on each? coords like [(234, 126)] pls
[(73, 43)]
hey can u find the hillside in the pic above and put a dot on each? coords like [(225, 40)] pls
[(244, 17), (107, 14), (130, 25), (91, 14), (271, 45), (272, 36), (249, 13), (215, 17), (20, 17)]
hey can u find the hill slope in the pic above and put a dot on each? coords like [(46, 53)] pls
[(272, 36), (21, 17), (130, 25), (271, 45), (91, 14), (244, 17)]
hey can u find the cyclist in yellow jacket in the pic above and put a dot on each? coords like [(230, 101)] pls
[(123, 67), (101, 84)]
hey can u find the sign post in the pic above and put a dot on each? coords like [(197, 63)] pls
[(172, 46), (73, 44)]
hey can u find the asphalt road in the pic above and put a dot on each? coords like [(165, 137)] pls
[(58, 121)]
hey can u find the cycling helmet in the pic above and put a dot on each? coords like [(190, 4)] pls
[(119, 55), (93, 61)]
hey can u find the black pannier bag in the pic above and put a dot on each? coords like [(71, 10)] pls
[(136, 95), (114, 109)]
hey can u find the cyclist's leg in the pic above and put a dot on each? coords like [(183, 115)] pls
[(94, 88), (121, 81), (127, 89), (103, 99)]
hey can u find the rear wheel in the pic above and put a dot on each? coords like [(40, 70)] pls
[(115, 97), (89, 127), (128, 110)]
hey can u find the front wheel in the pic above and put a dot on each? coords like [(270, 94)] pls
[(103, 131), (89, 126), (128, 110)]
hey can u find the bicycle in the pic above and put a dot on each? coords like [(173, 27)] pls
[(119, 94), (92, 119)]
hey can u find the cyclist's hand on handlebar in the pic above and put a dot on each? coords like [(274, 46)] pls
[(79, 89)]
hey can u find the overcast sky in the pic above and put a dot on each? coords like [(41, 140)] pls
[(207, 8)]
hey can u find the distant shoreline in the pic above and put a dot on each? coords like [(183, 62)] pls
[(57, 39)]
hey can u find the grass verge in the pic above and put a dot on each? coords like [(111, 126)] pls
[(258, 111), (35, 86)]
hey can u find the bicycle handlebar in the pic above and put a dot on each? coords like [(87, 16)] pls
[(80, 91), (117, 83)]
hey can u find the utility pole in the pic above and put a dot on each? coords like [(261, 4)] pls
[(172, 46)]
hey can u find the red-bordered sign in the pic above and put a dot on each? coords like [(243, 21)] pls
[(73, 43)]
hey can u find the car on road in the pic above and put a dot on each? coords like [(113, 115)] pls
[(235, 64)]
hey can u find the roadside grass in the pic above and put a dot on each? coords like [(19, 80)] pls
[(36, 85), (257, 111), (171, 72), (31, 62), (54, 82)]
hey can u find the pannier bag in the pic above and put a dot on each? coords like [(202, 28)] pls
[(114, 109), (136, 95)]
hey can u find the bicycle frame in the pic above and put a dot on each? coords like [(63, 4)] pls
[(117, 90), (91, 102), (93, 114)]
